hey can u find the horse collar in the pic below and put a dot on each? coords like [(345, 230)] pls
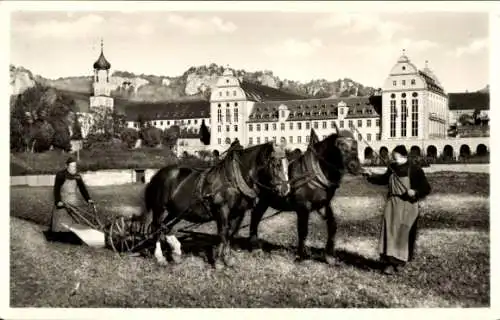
[(240, 181), (316, 169)]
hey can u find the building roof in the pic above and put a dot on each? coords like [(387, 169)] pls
[(102, 63), (258, 92), (431, 81), (469, 101), (166, 110), (313, 109)]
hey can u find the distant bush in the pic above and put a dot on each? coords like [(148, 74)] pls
[(130, 136)]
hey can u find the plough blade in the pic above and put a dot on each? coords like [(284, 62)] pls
[(91, 237)]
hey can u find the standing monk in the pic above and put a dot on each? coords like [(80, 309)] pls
[(66, 184), (407, 185)]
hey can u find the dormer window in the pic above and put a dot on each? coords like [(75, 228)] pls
[(227, 80)]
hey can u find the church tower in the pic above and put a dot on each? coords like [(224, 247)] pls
[(102, 88)]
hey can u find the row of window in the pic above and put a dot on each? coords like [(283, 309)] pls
[(404, 116), (228, 128), (298, 139), (173, 122), (403, 82), (403, 95), (324, 125), (228, 115), (227, 93)]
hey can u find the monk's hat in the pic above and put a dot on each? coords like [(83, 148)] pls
[(401, 149), (70, 160)]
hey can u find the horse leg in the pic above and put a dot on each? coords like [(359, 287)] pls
[(223, 248), (156, 225), (257, 214), (175, 246), (331, 224), (235, 223), (303, 230)]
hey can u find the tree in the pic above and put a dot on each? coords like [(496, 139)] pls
[(130, 136), (62, 137), (466, 119), (204, 133), (40, 113), (76, 129), (152, 136), (170, 136)]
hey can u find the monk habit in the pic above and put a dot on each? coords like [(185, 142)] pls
[(399, 224)]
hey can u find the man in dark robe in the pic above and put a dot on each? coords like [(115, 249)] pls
[(407, 185), (67, 184)]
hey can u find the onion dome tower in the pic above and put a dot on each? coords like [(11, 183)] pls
[(102, 87)]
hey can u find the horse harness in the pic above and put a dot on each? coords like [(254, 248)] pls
[(314, 176)]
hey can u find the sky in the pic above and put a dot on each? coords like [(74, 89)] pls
[(294, 45)]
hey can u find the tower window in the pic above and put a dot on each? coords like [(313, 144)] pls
[(404, 68)]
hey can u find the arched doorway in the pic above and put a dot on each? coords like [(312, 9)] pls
[(415, 151), (432, 152), (464, 151), (384, 155), (448, 152), (481, 150), (369, 155)]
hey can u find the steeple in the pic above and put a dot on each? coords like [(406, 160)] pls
[(228, 71), (403, 57), (102, 63)]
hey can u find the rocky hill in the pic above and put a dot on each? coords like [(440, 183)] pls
[(195, 82)]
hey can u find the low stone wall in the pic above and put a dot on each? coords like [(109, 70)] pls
[(117, 177)]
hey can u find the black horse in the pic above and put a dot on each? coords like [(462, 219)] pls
[(222, 193), (314, 177)]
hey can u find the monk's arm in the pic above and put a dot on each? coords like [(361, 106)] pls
[(59, 181), (420, 184), (380, 179), (83, 188)]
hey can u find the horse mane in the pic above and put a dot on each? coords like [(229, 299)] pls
[(330, 155)]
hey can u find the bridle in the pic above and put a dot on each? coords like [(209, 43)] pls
[(267, 163)]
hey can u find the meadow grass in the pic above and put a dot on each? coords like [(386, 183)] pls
[(451, 268)]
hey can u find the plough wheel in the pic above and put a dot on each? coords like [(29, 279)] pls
[(124, 235)]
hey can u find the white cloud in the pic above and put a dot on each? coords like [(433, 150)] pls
[(294, 48), (198, 26), (473, 47), (61, 29), (352, 23)]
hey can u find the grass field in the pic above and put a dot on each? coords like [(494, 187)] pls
[(451, 269)]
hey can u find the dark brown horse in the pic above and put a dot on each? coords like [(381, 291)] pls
[(222, 193), (314, 176)]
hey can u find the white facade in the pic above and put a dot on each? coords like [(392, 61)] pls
[(414, 106), (192, 124), (229, 111)]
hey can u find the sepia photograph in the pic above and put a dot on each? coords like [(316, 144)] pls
[(249, 158)]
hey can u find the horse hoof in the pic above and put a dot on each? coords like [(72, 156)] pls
[(229, 262), (176, 258), (162, 262), (330, 260)]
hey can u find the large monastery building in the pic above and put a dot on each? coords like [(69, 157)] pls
[(412, 109)]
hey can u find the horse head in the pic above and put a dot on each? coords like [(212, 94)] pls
[(274, 168), (348, 146), (340, 150)]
